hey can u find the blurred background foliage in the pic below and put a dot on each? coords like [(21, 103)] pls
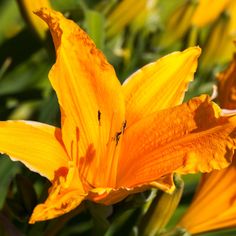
[(131, 34)]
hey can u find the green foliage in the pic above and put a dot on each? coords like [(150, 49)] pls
[(7, 172), (95, 26)]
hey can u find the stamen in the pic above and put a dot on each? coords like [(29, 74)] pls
[(74, 148), (109, 152), (117, 137), (85, 163), (113, 153), (77, 146), (124, 126), (99, 117), (71, 150), (92, 159), (99, 151)]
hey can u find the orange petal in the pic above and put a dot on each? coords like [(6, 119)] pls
[(87, 88), (227, 86), (110, 196), (179, 139), (200, 18), (36, 145), (216, 197), (65, 194), (159, 85), (65, 202)]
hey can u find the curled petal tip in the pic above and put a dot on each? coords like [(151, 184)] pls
[(57, 207), (48, 15), (195, 50), (41, 10)]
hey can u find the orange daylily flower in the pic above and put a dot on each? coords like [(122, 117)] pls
[(117, 139), (216, 194), (227, 86), (214, 205)]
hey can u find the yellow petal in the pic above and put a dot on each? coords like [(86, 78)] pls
[(159, 85), (232, 24), (65, 194), (227, 86), (179, 139), (216, 198), (204, 16), (87, 88), (36, 145)]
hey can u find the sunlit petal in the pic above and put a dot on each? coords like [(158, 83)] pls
[(110, 196), (65, 194), (38, 146), (216, 197), (87, 88), (179, 139), (227, 86), (159, 85)]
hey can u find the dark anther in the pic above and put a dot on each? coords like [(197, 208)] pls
[(99, 117), (118, 134), (124, 126), (117, 137)]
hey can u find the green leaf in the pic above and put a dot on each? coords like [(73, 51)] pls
[(94, 24), (24, 76), (7, 172), (26, 192), (10, 20), (99, 214), (7, 228), (124, 223), (49, 110)]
